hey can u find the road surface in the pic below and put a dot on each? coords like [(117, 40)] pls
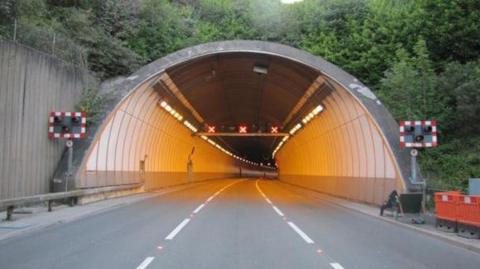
[(231, 224)]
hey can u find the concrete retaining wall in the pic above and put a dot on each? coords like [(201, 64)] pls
[(31, 85)]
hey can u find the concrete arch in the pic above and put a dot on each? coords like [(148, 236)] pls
[(350, 149)]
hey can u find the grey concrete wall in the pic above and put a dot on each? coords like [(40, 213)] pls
[(31, 85)]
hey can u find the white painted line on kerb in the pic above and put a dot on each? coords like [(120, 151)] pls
[(198, 208), (336, 265), (145, 263), (278, 211), (301, 233), (177, 229)]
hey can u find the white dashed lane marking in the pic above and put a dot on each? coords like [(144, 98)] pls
[(198, 208), (145, 263), (278, 211), (336, 265), (303, 235), (299, 231), (177, 229)]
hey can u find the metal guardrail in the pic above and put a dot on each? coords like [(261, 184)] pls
[(10, 204)]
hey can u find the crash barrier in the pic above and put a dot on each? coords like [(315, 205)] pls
[(457, 212), (72, 196)]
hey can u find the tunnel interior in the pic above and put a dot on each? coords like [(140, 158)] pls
[(325, 138)]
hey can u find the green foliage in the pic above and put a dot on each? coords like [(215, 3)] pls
[(92, 104), (422, 58)]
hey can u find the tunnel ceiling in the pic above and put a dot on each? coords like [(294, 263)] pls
[(225, 91)]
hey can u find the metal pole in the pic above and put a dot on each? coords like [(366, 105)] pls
[(414, 167), (69, 165), (413, 154)]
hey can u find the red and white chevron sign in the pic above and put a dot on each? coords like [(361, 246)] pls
[(418, 134), (70, 125)]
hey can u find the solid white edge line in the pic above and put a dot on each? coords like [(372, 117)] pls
[(278, 211), (268, 200), (145, 263), (301, 233), (198, 208), (336, 265), (209, 198), (177, 229)]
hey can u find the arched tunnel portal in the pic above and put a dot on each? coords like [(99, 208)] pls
[(334, 136)]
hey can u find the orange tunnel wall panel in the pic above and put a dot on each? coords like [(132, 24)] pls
[(340, 152), (141, 131)]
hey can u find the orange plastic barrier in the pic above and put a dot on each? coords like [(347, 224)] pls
[(446, 205), (468, 210)]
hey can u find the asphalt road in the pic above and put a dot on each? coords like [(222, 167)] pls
[(231, 224)]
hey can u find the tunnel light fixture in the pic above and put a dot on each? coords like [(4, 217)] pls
[(312, 114), (190, 126), (219, 147), (284, 139), (170, 110), (260, 69), (194, 129), (295, 128)]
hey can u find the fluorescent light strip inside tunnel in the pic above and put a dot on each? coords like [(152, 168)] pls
[(339, 137)]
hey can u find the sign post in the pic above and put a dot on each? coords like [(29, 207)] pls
[(414, 135), (68, 125), (68, 176)]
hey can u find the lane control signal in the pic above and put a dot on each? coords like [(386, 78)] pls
[(70, 125), (242, 129), (418, 134), (211, 129)]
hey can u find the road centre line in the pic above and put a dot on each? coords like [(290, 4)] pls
[(278, 211), (198, 208), (336, 265), (303, 235), (175, 231), (145, 263)]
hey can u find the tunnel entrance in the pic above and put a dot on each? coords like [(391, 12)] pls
[(272, 108)]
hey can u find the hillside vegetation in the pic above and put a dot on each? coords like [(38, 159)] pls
[(421, 57)]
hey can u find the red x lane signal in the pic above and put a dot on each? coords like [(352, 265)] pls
[(211, 129), (274, 130), (242, 129)]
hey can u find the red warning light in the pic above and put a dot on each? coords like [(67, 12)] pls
[(242, 129), (211, 129), (274, 130)]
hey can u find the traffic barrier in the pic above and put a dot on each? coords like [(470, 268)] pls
[(468, 216), (10, 204), (446, 210)]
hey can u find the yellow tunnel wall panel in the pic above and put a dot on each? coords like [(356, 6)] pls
[(341, 152), (140, 130)]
